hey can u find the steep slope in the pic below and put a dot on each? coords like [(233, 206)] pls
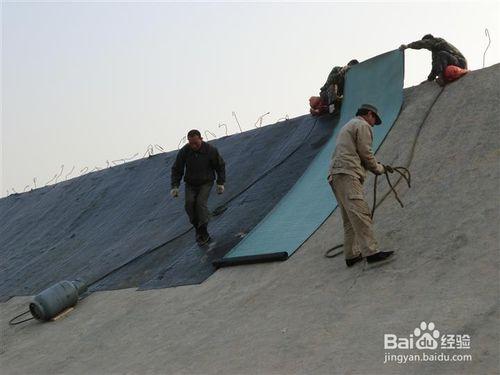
[(118, 228), (311, 314), (100, 226)]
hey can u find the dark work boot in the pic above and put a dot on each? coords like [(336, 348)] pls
[(379, 257), (351, 262), (204, 236), (198, 234)]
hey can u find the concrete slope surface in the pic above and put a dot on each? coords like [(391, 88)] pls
[(312, 315), (119, 228)]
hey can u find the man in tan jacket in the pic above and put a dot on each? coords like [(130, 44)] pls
[(352, 157)]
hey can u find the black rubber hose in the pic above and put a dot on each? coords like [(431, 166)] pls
[(12, 322), (410, 160)]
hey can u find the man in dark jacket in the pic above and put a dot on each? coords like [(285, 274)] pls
[(201, 162), (443, 54), (333, 89)]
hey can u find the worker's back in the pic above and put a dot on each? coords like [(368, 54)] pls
[(435, 45), (346, 159)]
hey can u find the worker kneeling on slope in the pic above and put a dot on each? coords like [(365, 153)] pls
[(352, 156), (332, 92), (201, 162), (444, 55)]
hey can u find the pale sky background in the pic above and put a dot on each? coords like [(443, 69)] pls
[(87, 82)]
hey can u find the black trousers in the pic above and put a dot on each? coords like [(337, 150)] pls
[(196, 203), (442, 60)]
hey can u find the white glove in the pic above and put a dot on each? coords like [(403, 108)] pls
[(380, 169), (220, 189), (174, 192)]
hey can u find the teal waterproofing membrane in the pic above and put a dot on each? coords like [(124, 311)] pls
[(377, 81)]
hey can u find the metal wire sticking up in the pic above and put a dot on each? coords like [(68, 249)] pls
[(487, 32), (236, 118), (259, 120), (225, 127), (207, 132)]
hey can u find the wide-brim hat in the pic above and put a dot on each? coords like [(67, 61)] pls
[(374, 110)]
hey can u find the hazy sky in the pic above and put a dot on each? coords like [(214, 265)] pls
[(87, 82)]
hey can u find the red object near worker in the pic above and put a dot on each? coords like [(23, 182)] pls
[(318, 107), (452, 73)]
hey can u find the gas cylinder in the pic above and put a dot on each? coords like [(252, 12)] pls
[(50, 302)]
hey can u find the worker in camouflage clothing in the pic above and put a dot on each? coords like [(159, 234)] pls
[(443, 55), (333, 89)]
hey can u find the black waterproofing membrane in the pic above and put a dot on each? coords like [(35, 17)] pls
[(119, 227)]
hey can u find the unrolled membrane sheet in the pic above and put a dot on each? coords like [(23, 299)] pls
[(378, 81), (119, 228)]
